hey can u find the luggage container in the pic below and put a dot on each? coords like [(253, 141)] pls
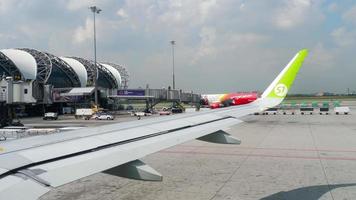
[(324, 110), (305, 110)]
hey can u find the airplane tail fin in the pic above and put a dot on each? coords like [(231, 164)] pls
[(278, 89)]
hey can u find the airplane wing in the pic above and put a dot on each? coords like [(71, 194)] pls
[(31, 167)]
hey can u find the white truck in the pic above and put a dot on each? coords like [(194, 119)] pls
[(140, 114), (85, 113), (50, 115), (342, 109)]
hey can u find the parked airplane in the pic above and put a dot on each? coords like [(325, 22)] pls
[(30, 167), (230, 99)]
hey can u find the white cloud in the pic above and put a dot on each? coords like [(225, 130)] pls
[(343, 37), (8, 37), (214, 43), (246, 38), (122, 13), (106, 31), (207, 48), (205, 8), (83, 33), (292, 14), (78, 4), (350, 15), (333, 7), (321, 58), (7, 5), (153, 14), (242, 6)]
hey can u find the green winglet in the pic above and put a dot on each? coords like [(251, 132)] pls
[(281, 85), (278, 89)]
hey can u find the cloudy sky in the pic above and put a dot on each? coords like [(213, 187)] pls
[(222, 45)]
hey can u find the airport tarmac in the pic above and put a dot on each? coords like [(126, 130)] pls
[(305, 157)]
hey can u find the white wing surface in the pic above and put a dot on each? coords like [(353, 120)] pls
[(30, 167)]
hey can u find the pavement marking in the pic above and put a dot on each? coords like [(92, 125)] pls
[(248, 155), (320, 160), (270, 149), (262, 155)]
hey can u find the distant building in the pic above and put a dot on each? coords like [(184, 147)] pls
[(319, 94), (32, 76)]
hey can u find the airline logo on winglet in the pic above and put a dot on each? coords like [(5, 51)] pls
[(280, 90)]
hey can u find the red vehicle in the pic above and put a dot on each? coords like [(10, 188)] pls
[(164, 112)]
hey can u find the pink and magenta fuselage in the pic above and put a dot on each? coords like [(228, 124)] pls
[(229, 99)]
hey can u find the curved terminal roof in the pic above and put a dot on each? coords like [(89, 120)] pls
[(44, 64), (24, 61), (79, 70), (62, 75), (123, 74), (115, 72), (31, 64)]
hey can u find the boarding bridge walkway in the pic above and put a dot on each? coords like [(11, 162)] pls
[(173, 95), (155, 96)]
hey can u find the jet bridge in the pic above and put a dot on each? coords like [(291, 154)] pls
[(154, 96)]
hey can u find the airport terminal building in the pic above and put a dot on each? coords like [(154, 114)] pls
[(36, 77)]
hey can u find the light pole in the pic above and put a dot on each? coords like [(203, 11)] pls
[(95, 10), (174, 82)]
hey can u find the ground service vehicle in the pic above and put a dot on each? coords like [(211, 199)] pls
[(177, 110), (103, 116), (306, 110), (50, 115), (271, 111), (342, 109), (84, 112), (164, 112), (324, 110)]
